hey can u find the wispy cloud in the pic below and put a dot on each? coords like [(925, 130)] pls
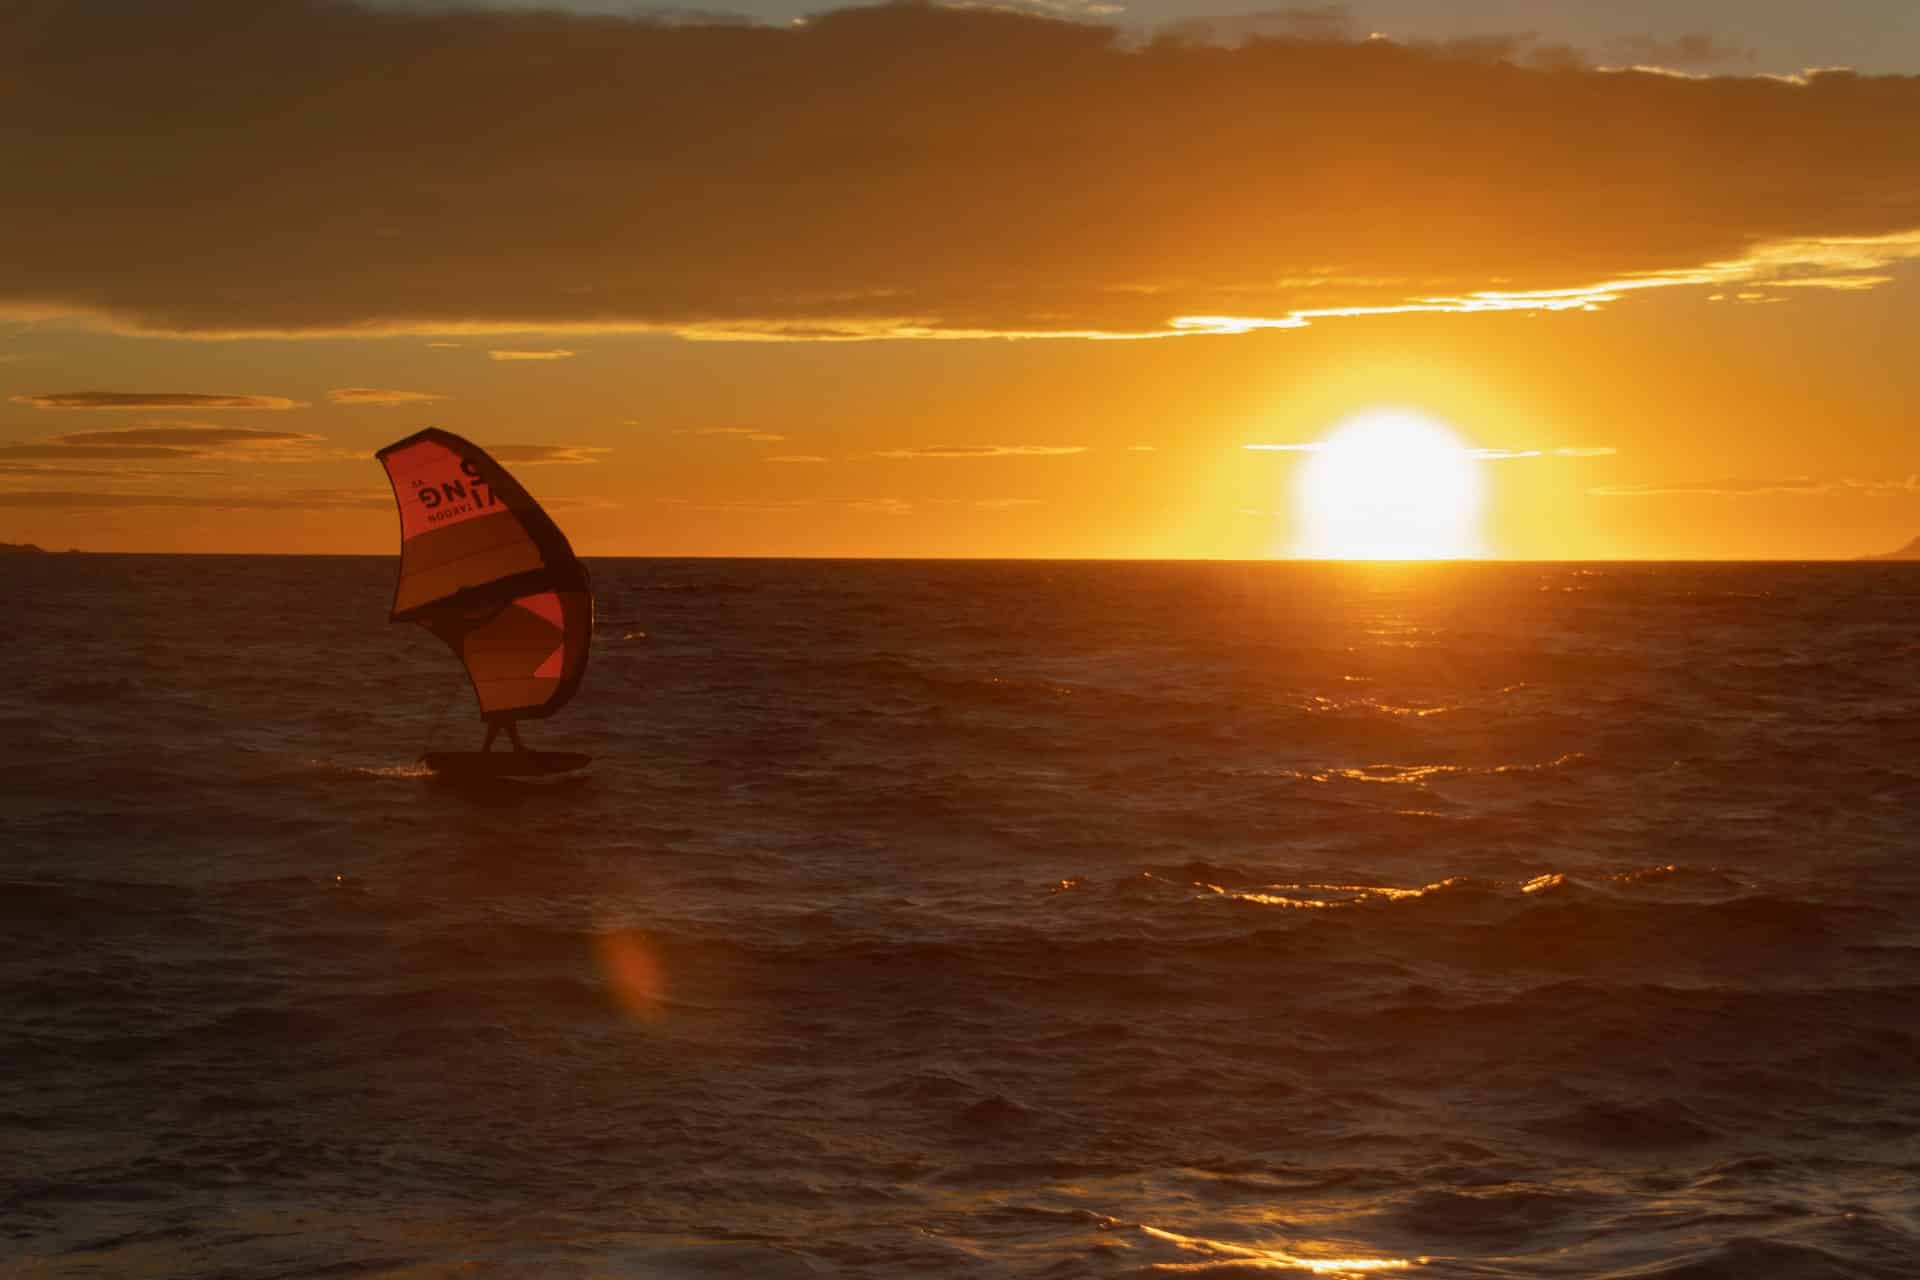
[(1729, 488), (303, 499), (881, 506), (794, 457), (983, 451), (1839, 283), (152, 400), (745, 433), (1498, 455), (1540, 185), (593, 501), (1487, 455), (756, 505), (93, 453), (538, 454), (171, 442), (24, 357), (775, 506), (186, 435), (42, 470), (380, 396), (555, 353)]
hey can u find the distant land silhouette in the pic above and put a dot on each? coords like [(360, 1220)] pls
[(1909, 552), (26, 548)]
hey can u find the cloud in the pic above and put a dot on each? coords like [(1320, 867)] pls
[(1326, 22), (357, 499), (377, 396), (93, 453), (1798, 485), (24, 357), (794, 457), (552, 354), (764, 437), (1485, 455), (739, 505), (1002, 504), (880, 506), (538, 454), (778, 506), (169, 442), (151, 400), (1101, 188), (1520, 49), (41, 470), (1690, 51), (983, 451), (187, 436), (304, 499), (1497, 455)]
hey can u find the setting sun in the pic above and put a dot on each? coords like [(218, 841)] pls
[(1389, 485)]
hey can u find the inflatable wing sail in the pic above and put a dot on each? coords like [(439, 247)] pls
[(486, 570)]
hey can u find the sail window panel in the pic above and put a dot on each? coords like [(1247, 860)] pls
[(417, 590), (440, 564), (506, 654)]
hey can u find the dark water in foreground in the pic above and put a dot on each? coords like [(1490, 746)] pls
[(945, 919)]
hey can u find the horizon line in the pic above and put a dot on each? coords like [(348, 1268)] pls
[(30, 550)]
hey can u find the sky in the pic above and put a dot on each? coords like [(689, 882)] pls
[(1074, 280)]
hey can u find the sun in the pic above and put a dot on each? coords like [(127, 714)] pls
[(1390, 484)]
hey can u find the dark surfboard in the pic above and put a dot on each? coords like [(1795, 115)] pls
[(504, 764)]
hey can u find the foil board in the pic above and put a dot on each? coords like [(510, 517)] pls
[(504, 764)]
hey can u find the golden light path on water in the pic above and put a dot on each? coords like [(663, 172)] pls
[(1321, 896), (1244, 1256)]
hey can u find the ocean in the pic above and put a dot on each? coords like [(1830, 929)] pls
[(967, 919)]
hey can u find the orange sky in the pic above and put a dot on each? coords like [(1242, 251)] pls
[(935, 282)]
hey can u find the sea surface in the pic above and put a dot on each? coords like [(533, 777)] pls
[(953, 919)]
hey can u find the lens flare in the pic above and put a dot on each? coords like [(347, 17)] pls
[(634, 975)]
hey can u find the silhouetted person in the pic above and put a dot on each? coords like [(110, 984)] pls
[(495, 724)]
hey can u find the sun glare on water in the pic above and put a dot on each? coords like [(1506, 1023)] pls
[(1389, 485)]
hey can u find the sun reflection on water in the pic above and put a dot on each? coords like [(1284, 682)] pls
[(1239, 1256)]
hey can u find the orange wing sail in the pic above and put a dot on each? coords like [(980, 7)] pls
[(490, 573)]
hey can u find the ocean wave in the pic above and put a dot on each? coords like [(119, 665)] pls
[(964, 919)]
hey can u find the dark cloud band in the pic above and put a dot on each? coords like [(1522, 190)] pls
[(903, 170)]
